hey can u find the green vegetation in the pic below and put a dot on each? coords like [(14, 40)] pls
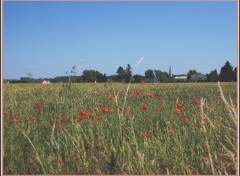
[(186, 128)]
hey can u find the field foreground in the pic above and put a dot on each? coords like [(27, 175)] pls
[(186, 128)]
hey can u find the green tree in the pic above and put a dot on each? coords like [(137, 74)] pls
[(226, 73), (191, 72), (121, 73), (212, 76), (137, 79), (93, 75), (128, 73), (149, 73), (162, 76), (235, 74)]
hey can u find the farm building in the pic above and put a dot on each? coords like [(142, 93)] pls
[(180, 77), (198, 77), (44, 82)]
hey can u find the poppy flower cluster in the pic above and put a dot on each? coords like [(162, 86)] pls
[(170, 131), (33, 118), (111, 97), (149, 95), (205, 108), (157, 110), (202, 120), (90, 115), (178, 109), (38, 106), (5, 113), (196, 101), (146, 135), (84, 113), (12, 121), (136, 93), (105, 110), (184, 120), (145, 106), (80, 118)]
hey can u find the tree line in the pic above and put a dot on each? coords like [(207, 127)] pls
[(124, 75)]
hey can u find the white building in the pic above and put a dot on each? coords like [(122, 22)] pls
[(45, 82), (180, 77)]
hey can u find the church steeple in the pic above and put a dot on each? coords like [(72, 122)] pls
[(170, 72)]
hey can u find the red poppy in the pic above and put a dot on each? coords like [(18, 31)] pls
[(177, 111), (136, 93), (202, 120), (96, 109), (126, 109), (120, 108), (105, 110), (90, 115), (157, 111), (162, 89), (146, 135), (111, 97), (110, 111), (79, 119), (34, 118), (149, 95), (170, 131), (196, 101), (99, 118), (179, 106), (184, 120), (38, 106), (5, 113), (205, 108), (13, 121), (159, 96), (82, 113), (111, 102), (144, 106)]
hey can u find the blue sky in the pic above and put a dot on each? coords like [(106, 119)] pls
[(48, 38)]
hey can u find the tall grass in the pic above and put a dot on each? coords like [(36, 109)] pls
[(124, 141)]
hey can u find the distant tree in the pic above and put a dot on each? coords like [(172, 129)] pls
[(128, 73), (137, 79), (121, 73), (162, 76), (235, 74), (149, 73), (128, 69), (226, 73), (191, 72), (93, 75), (212, 76)]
